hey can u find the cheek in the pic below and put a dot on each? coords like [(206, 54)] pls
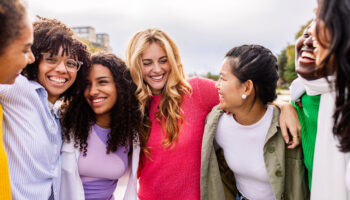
[(41, 72), (167, 67), (86, 94), (73, 76)]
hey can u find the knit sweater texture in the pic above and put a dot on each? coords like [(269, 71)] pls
[(308, 115), (174, 173)]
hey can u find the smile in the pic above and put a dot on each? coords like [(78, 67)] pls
[(308, 55), (98, 100), (158, 77), (57, 80)]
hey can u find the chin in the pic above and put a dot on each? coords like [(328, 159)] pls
[(222, 107)]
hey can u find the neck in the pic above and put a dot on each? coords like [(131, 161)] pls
[(104, 120), (52, 99), (248, 115)]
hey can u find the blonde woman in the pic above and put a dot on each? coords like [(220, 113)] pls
[(174, 111)]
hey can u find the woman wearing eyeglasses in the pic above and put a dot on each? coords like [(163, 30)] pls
[(32, 131)]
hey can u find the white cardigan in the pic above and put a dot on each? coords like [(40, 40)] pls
[(71, 184)]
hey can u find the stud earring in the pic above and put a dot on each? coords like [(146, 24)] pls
[(244, 96)]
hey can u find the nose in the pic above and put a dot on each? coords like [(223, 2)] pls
[(93, 90), (217, 84), (61, 67), (31, 58), (157, 67), (308, 41)]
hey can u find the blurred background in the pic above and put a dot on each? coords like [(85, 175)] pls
[(203, 30)]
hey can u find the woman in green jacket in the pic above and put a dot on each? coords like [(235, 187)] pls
[(254, 161)]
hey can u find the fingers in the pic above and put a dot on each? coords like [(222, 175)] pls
[(285, 134), (296, 138)]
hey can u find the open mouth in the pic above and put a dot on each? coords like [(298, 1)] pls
[(57, 80), (97, 101), (307, 57), (158, 77)]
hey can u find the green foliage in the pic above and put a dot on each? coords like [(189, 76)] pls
[(300, 32), (92, 48), (212, 76), (286, 61), (289, 73), (282, 62)]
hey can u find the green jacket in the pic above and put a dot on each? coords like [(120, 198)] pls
[(284, 166)]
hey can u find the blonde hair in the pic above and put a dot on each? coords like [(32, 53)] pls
[(169, 112)]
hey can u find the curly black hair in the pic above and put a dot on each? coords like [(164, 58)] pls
[(78, 116), (49, 36), (12, 13), (335, 14)]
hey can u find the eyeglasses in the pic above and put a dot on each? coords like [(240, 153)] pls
[(71, 64)]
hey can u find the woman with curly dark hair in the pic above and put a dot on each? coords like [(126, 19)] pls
[(32, 131), (16, 38), (99, 127)]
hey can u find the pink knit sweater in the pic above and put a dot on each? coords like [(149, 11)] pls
[(175, 173)]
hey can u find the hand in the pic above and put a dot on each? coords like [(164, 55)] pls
[(290, 125)]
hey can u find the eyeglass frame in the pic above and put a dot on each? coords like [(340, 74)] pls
[(80, 63)]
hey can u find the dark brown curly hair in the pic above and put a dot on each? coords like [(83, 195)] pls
[(78, 116), (12, 13), (49, 36)]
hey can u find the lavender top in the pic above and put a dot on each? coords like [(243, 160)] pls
[(98, 170)]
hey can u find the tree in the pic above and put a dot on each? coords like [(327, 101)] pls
[(301, 31), (282, 62), (211, 76), (289, 73), (286, 60)]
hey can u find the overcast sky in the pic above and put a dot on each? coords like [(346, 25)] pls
[(203, 30)]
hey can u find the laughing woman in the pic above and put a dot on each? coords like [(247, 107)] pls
[(254, 161), (331, 34), (99, 128)]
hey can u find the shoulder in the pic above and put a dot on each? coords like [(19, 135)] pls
[(204, 89), (201, 82), (21, 87), (212, 118)]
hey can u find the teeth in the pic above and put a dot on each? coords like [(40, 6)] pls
[(157, 77), (58, 80), (308, 55), (98, 100)]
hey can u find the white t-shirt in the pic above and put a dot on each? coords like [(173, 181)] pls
[(243, 150)]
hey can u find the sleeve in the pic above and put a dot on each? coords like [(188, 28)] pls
[(208, 94), (9, 90), (4, 91)]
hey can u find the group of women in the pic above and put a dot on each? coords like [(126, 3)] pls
[(81, 126)]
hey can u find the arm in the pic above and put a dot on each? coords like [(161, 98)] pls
[(289, 123)]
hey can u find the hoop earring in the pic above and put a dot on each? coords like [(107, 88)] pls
[(244, 96)]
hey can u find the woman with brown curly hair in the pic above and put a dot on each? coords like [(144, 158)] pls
[(32, 131), (16, 38), (99, 127)]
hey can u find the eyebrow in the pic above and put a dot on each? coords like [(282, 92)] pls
[(102, 77), (148, 59), (28, 44)]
